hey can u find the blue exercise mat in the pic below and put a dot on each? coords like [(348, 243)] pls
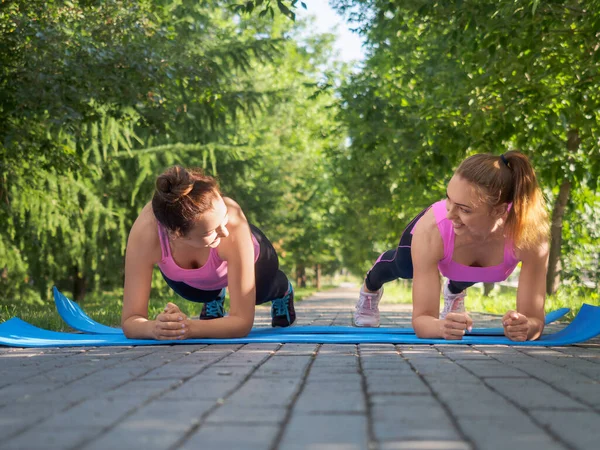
[(18, 333), (77, 319)]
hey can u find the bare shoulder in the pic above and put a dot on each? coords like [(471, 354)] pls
[(535, 254), (235, 214), (427, 239), (239, 232), (143, 237)]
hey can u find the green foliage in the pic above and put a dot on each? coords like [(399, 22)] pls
[(447, 79), (99, 97), (581, 261), (284, 7)]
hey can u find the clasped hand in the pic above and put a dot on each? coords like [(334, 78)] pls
[(171, 324), (454, 326), (516, 326)]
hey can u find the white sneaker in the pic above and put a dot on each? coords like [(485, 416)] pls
[(366, 313), (454, 303)]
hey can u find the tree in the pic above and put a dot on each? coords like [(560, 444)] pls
[(83, 85), (450, 78), (99, 97)]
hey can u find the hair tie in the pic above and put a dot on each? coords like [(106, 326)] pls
[(504, 160)]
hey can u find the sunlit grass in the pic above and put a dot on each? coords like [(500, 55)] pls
[(106, 308)]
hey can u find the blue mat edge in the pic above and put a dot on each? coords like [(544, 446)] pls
[(76, 318), (18, 333)]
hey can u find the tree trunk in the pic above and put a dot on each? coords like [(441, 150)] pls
[(558, 214), (487, 288), (79, 285), (300, 276), (318, 276)]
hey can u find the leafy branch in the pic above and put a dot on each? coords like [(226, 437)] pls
[(285, 7)]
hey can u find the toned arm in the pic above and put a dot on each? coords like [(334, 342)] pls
[(238, 250), (143, 251), (427, 249), (531, 292)]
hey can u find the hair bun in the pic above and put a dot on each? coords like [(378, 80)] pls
[(174, 184)]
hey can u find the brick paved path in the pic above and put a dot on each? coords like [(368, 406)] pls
[(307, 396)]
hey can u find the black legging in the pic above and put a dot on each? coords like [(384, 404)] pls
[(397, 263), (271, 283)]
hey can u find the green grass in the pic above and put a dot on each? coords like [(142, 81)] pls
[(499, 301), (106, 308)]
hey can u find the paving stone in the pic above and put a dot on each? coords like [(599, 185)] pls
[(202, 389), (338, 364), (530, 393), (145, 388), (388, 363), (347, 397), (177, 371), (463, 353), (491, 368), (476, 400), (225, 436), (587, 353), (56, 439), (233, 412), (425, 445), (77, 392), (18, 417), (509, 433), (25, 390), (585, 393), (405, 417), (338, 350), (95, 412), (417, 352), (581, 430), (284, 366), (267, 391), (335, 431), (378, 349), (157, 438), (390, 383), (439, 367), (157, 425), (227, 372), (297, 349)]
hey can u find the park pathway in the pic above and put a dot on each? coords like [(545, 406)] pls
[(309, 396)]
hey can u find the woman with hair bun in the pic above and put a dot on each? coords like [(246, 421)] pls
[(493, 217), (202, 244)]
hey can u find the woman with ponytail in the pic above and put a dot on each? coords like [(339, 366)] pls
[(493, 217), (202, 244)]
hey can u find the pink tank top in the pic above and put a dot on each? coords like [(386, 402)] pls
[(210, 277), (460, 272)]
